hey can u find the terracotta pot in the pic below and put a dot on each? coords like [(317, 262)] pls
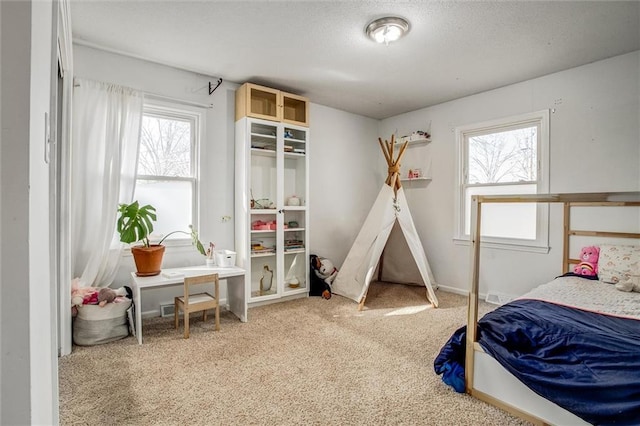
[(148, 259)]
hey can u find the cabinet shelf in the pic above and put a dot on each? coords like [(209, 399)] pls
[(258, 293), (294, 155), (293, 251), (293, 140), (263, 211), (263, 254), (263, 152), (265, 136)]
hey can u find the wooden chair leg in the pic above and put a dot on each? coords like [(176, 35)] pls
[(176, 308), (204, 316), (218, 318), (186, 325), (217, 296)]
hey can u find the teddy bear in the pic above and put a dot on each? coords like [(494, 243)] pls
[(83, 295), (93, 295), (629, 284), (324, 272), (588, 265)]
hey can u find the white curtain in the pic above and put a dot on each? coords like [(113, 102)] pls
[(104, 149)]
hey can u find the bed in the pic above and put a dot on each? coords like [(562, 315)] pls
[(567, 352)]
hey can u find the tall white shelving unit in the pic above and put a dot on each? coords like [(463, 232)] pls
[(272, 215)]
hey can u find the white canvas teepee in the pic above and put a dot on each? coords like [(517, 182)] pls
[(388, 229)]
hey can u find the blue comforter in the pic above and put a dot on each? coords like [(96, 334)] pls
[(585, 362)]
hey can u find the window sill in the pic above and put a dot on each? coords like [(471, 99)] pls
[(171, 246), (542, 249)]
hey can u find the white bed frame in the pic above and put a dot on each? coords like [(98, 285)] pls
[(485, 378)]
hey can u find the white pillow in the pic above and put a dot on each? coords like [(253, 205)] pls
[(617, 262)]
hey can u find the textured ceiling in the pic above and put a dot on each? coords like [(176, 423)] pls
[(318, 48)]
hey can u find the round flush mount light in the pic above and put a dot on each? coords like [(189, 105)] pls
[(387, 29)]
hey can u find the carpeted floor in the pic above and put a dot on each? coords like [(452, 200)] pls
[(303, 362)]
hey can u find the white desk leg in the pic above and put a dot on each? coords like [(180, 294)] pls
[(136, 301), (236, 297)]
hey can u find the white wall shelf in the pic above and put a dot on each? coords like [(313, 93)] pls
[(413, 142), (423, 178)]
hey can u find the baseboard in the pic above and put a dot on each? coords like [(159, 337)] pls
[(279, 300), (158, 312), (455, 290)]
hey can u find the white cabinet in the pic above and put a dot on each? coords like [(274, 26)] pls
[(272, 215)]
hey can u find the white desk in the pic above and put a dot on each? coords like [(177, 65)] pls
[(236, 292)]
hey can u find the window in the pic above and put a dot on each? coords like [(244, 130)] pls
[(507, 156), (167, 167)]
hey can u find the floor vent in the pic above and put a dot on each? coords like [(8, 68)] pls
[(498, 298), (167, 310)]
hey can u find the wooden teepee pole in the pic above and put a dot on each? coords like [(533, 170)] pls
[(393, 165)]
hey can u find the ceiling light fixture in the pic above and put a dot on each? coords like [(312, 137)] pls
[(387, 29)]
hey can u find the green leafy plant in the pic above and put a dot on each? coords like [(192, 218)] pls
[(135, 223)]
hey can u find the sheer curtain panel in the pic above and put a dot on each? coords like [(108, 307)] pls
[(104, 149)]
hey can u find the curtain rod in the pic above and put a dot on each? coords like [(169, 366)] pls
[(176, 100), (166, 98)]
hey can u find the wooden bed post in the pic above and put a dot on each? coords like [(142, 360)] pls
[(565, 242), (504, 401), (472, 320)]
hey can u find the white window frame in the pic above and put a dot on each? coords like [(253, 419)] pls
[(462, 133), (196, 116)]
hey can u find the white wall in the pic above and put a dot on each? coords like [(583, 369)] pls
[(596, 117), (28, 368), (594, 146), (344, 180), (341, 182), (216, 150)]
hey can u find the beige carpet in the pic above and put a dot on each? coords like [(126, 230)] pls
[(303, 362)]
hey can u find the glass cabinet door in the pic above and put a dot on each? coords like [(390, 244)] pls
[(263, 222), (295, 109), (273, 238), (264, 102), (295, 186)]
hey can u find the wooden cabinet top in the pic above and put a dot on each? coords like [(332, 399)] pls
[(266, 103)]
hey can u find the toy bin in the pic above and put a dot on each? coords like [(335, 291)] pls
[(225, 258)]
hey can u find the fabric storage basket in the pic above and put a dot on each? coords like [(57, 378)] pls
[(95, 325)]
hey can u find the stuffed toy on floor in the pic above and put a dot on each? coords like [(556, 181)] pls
[(322, 275)]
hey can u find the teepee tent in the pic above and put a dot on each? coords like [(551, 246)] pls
[(387, 243)]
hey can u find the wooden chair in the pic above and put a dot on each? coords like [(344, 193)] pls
[(198, 302)]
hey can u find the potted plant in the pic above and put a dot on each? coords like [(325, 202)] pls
[(135, 224)]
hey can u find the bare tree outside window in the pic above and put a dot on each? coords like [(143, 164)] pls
[(166, 169), (165, 147), (505, 156), (502, 157)]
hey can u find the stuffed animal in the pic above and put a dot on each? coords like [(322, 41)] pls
[(323, 275), (83, 295), (629, 284), (588, 261), (93, 295), (106, 295)]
